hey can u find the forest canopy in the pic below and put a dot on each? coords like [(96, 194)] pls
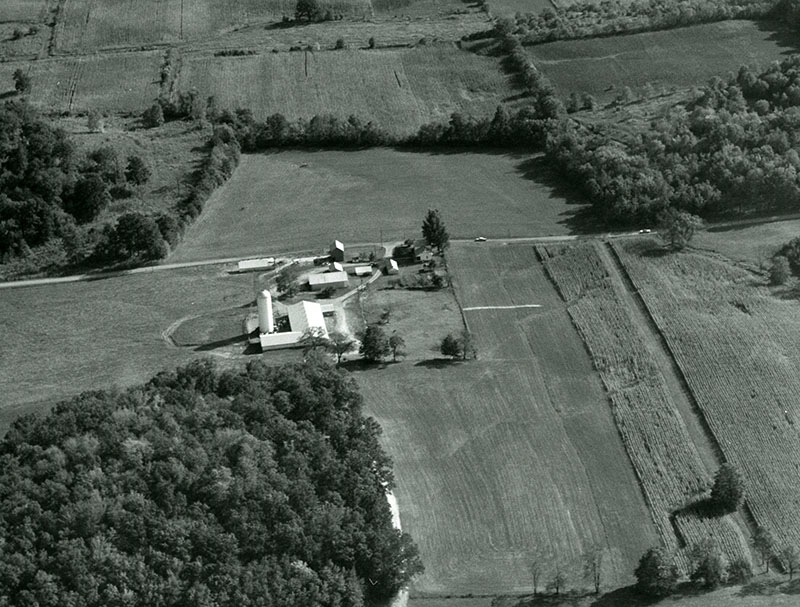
[(265, 486)]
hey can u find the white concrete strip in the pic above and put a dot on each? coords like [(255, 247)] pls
[(470, 308)]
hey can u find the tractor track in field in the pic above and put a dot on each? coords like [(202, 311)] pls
[(675, 381)]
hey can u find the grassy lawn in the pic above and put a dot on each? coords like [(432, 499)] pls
[(60, 340), (681, 58), (755, 244), (28, 11), (295, 201), (397, 89), (510, 454)]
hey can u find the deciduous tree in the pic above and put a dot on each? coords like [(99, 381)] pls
[(397, 344), (340, 344), (709, 564), (728, 489), (764, 544), (22, 81), (593, 567), (656, 573), (677, 228), (790, 559), (451, 346), (374, 344), (308, 10), (136, 171)]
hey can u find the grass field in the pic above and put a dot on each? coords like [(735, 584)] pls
[(295, 201), (753, 244), (60, 340), (509, 8), (92, 24), (118, 82), (398, 89), (30, 11), (667, 462), (738, 344), (682, 57), (512, 454)]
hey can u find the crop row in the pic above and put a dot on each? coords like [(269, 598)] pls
[(669, 468), (738, 348)]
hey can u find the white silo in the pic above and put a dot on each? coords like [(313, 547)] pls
[(266, 323)]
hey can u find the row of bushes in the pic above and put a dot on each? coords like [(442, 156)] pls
[(613, 17)]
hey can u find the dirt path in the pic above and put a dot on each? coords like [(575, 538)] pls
[(676, 384), (658, 349)]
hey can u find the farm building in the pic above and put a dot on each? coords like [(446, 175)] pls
[(413, 251), (390, 266), (253, 265), (335, 266), (303, 316), (337, 251), (359, 270), (320, 281)]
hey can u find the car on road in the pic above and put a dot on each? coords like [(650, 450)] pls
[(480, 239), (645, 231)]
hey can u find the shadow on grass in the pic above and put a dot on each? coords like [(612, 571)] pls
[(221, 343), (780, 34), (439, 363)]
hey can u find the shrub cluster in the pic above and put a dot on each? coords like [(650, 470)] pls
[(264, 486), (613, 17), (238, 52)]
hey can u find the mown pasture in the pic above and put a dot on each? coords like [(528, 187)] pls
[(29, 11), (62, 339), (388, 32), (753, 244), (738, 344), (672, 473), (114, 82), (398, 89), (682, 58), (89, 24), (513, 456), (300, 201)]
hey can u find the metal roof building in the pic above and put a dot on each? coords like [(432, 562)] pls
[(320, 281)]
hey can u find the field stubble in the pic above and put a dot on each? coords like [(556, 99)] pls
[(737, 344), (670, 470)]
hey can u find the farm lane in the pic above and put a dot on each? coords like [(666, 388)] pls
[(674, 379), (34, 282)]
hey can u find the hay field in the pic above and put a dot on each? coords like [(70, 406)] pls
[(681, 58), (511, 454), (398, 89), (509, 8), (116, 83), (672, 473), (60, 340), (299, 201), (30, 11), (93, 24), (753, 244), (738, 344)]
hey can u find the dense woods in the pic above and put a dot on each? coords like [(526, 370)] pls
[(732, 149), (257, 487)]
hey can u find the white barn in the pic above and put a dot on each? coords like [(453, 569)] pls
[(320, 281), (303, 316)]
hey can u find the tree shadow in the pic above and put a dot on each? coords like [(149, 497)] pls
[(627, 596), (761, 587), (439, 363), (701, 508), (780, 34)]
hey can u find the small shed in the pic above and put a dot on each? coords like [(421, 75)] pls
[(362, 271), (254, 265), (337, 251), (335, 266), (390, 266)]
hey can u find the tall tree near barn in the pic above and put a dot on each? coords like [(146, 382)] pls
[(433, 230)]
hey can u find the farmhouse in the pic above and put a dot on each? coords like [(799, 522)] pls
[(321, 281), (337, 251), (413, 251)]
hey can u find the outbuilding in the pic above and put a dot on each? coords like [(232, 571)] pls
[(323, 280), (337, 251)]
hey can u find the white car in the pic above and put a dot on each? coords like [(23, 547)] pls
[(644, 231), (480, 239)]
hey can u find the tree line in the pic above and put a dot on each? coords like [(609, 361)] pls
[(261, 486), (614, 17)]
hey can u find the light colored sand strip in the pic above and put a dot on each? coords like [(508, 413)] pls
[(401, 600), (467, 309)]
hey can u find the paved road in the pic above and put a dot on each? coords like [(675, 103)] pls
[(226, 260)]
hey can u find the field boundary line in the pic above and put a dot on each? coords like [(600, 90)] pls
[(514, 307), (678, 370)]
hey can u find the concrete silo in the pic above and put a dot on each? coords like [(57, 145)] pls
[(266, 324)]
